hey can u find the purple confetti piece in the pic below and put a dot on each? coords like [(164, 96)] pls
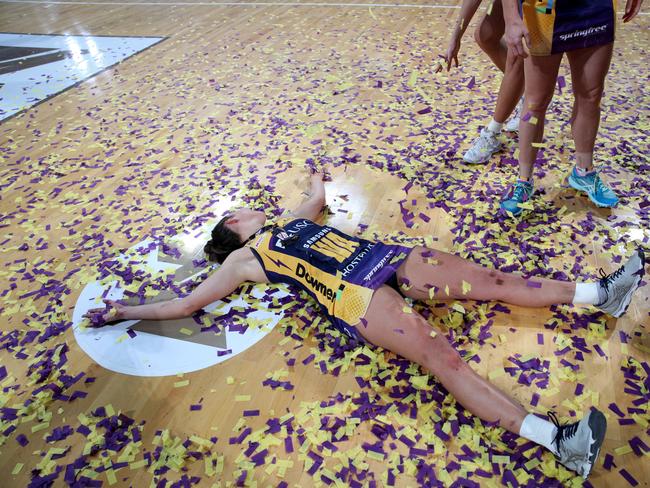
[(533, 284), (628, 477), (288, 445)]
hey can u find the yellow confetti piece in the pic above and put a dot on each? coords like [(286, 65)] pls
[(496, 373), (17, 468), (501, 459), (447, 290), (122, 338), (186, 331), (38, 427), (138, 464), (377, 456), (538, 145), (466, 287), (419, 382), (621, 451), (230, 380), (242, 398), (110, 477), (110, 411), (407, 310), (413, 79), (180, 384), (458, 307)]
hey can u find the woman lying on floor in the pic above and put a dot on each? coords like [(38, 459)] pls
[(356, 283)]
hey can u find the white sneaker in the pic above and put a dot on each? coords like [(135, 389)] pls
[(485, 145), (615, 289), (578, 444), (513, 123)]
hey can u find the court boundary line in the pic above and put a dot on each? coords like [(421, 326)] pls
[(237, 4), (251, 4), (79, 82)]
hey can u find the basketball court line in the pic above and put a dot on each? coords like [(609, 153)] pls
[(251, 4), (241, 4)]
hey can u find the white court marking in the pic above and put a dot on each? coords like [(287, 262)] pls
[(241, 4), (253, 4)]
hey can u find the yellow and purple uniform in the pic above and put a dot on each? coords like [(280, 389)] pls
[(339, 271), (558, 26)]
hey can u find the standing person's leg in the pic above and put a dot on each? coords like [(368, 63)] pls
[(489, 36), (589, 68), (540, 73), (510, 91), (450, 276), (409, 335)]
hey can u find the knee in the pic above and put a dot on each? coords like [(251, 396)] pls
[(537, 103), (485, 37), (446, 363), (589, 97)]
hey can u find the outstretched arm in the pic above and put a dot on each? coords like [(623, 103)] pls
[(311, 208), (221, 283)]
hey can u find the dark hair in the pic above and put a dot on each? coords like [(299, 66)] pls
[(223, 242)]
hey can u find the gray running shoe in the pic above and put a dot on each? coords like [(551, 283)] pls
[(485, 145), (615, 290), (578, 444), (513, 124)]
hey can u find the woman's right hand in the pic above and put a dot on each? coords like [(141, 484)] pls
[(113, 312), (632, 8), (452, 53), (515, 31)]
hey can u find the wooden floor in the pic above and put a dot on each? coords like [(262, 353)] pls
[(241, 100)]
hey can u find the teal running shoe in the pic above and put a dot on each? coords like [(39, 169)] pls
[(598, 192), (516, 194)]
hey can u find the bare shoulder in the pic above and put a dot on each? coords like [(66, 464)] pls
[(245, 263)]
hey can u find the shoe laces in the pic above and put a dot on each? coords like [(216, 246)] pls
[(608, 279), (599, 186), (564, 432), (519, 191)]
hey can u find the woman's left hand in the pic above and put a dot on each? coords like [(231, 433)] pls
[(113, 312), (632, 8)]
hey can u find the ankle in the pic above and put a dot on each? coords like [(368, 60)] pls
[(584, 171), (494, 126)]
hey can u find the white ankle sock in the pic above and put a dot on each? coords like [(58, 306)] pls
[(586, 294), (539, 431), (494, 126)]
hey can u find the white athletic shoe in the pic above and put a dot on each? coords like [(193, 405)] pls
[(512, 125), (578, 444), (485, 145), (615, 289)]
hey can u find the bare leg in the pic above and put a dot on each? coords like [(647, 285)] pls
[(589, 67), (489, 37), (540, 75), (426, 268), (489, 33), (409, 335), (511, 89)]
